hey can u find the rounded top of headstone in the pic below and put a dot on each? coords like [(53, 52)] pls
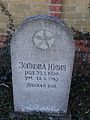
[(45, 17), (43, 36), (43, 32), (54, 19)]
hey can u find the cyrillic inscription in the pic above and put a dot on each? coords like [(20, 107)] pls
[(41, 72)]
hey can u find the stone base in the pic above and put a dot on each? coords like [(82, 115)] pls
[(17, 115), (68, 117)]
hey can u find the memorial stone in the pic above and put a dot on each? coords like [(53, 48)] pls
[(42, 56)]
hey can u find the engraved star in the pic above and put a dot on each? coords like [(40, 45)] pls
[(43, 39)]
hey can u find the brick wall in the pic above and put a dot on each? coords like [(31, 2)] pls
[(74, 12)]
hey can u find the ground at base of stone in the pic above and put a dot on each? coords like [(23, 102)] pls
[(38, 116)]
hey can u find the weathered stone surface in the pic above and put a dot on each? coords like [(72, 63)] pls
[(42, 52)]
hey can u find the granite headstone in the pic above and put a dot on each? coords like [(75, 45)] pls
[(42, 56)]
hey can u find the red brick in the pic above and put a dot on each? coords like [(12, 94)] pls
[(56, 8), (3, 38), (55, 14), (1, 45), (56, 1)]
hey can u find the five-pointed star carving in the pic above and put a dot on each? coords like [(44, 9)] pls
[(43, 39)]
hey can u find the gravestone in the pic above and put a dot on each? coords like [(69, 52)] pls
[(42, 55)]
